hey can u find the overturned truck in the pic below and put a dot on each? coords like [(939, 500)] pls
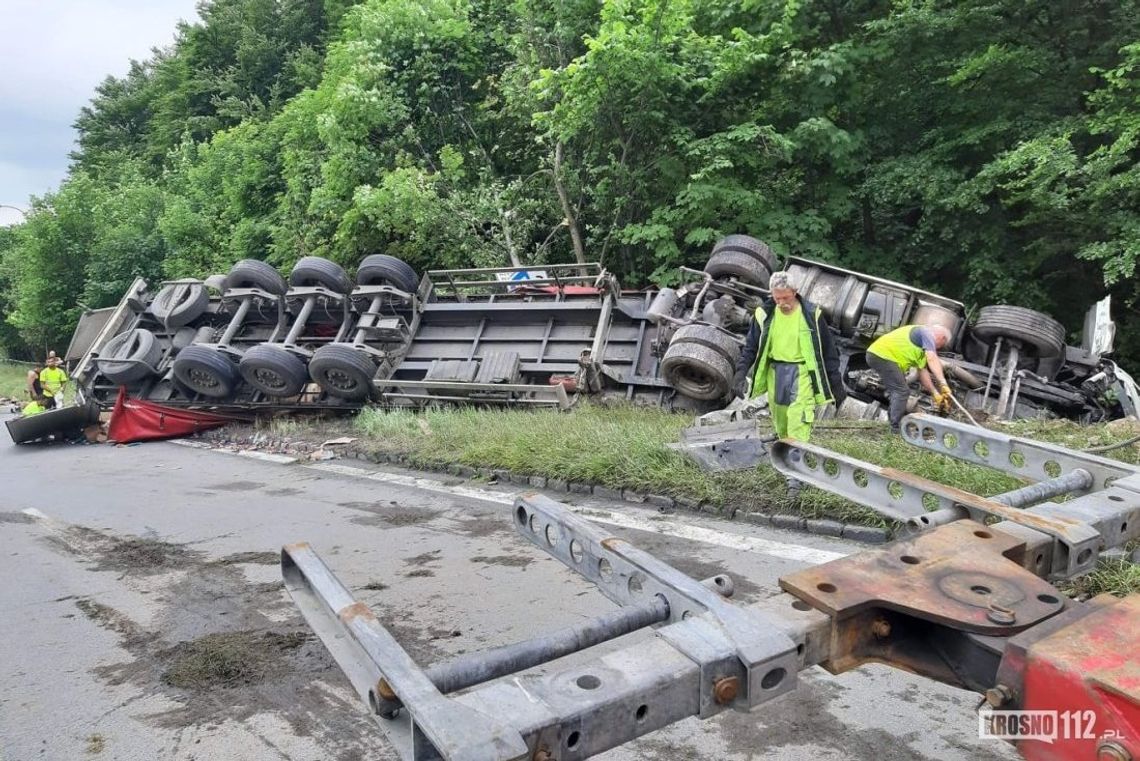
[(253, 340)]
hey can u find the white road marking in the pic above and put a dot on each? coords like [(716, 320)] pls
[(625, 519), (252, 454)]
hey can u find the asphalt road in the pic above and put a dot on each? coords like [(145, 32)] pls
[(135, 577)]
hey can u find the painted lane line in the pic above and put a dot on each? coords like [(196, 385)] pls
[(624, 519), (252, 454)]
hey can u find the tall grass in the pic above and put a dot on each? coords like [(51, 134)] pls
[(12, 380)]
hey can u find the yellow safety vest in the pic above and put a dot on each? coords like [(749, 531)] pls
[(897, 347)]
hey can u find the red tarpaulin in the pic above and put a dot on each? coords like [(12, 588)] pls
[(138, 420)]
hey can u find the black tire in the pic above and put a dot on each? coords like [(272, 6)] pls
[(741, 266), (138, 345), (179, 304), (697, 371), (381, 269), (206, 371), (746, 244), (251, 273), (315, 271), (273, 370), (343, 372), (707, 335), (1039, 334)]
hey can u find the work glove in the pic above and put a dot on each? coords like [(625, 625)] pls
[(740, 384), (942, 404), (945, 391)]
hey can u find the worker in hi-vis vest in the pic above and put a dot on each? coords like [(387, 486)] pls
[(893, 354), (790, 355)]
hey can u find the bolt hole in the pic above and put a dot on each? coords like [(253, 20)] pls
[(930, 501), (1052, 468), (1084, 557), (831, 467), (911, 430), (978, 589), (605, 570), (534, 523), (811, 460), (520, 514), (826, 587), (910, 560), (588, 682), (576, 551), (552, 536), (800, 649), (635, 584), (772, 679), (800, 605), (641, 713), (686, 615), (1039, 561), (1114, 498), (928, 434), (983, 535), (860, 477), (950, 441), (895, 489), (1048, 599), (1123, 527), (1017, 459), (572, 740), (981, 449)]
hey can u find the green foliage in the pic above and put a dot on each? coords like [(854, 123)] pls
[(987, 149)]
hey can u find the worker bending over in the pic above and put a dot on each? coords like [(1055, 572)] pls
[(893, 354), (790, 355)]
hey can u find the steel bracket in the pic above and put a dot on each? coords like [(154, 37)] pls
[(626, 574)]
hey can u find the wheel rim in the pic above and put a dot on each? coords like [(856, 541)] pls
[(270, 379), (341, 380), (200, 378)]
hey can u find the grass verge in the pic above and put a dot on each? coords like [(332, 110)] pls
[(623, 447)]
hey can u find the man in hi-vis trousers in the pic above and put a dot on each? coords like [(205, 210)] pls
[(790, 355)]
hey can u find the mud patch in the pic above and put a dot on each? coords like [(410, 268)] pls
[(15, 518), (419, 573), (285, 492), (236, 486), (516, 561), (426, 558), (375, 586), (130, 555), (229, 659), (96, 744), (388, 513), (260, 558)]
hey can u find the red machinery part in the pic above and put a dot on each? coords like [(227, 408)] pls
[(1089, 673), (139, 420)]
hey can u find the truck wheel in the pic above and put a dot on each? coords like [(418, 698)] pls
[(739, 265), (381, 269), (313, 270), (273, 370), (343, 372), (206, 371), (179, 304), (697, 371), (138, 345), (1039, 333), (746, 244), (706, 335), (252, 273)]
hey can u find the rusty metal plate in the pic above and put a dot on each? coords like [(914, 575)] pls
[(963, 575)]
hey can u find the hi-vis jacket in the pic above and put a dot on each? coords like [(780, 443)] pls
[(816, 345)]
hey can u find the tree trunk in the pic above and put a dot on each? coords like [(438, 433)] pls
[(567, 211)]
